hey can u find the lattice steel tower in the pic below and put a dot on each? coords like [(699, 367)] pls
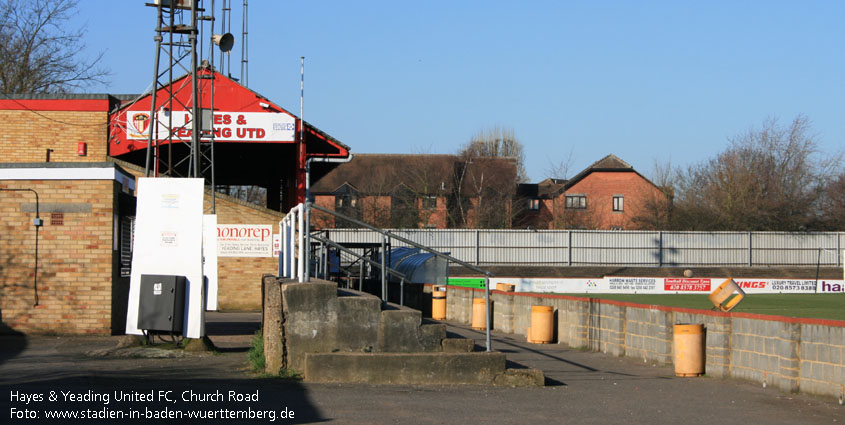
[(183, 146)]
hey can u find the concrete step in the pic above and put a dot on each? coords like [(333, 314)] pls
[(417, 369)]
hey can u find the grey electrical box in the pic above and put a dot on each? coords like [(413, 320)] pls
[(161, 306)]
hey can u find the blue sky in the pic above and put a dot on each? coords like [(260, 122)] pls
[(647, 80)]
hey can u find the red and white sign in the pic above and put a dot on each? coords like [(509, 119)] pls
[(686, 284), (228, 126), (244, 240)]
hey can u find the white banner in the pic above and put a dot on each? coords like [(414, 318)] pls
[(659, 285), (209, 259), (244, 240), (228, 126)]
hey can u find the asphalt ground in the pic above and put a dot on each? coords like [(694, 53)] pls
[(582, 388)]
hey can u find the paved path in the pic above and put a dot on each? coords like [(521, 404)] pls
[(584, 388)]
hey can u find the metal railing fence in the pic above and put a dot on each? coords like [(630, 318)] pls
[(620, 248)]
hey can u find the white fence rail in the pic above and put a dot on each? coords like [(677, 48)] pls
[(622, 248)]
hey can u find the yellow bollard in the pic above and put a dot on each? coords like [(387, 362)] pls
[(689, 350), (479, 314), (438, 302), (542, 328)]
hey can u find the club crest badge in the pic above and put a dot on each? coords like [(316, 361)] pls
[(141, 123)]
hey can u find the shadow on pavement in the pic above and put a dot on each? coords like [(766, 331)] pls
[(232, 328), (12, 346)]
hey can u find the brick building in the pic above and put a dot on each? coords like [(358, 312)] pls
[(418, 191), (609, 195), (70, 161)]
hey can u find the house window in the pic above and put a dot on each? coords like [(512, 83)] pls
[(429, 202), (344, 201), (618, 203), (578, 202), (534, 204)]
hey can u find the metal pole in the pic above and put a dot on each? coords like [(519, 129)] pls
[(660, 249), (750, 260), (153, 117), (302, 272), (489, 310), (293, 236), (402, 292), (477, 248), (361, 276), (383, 269), (325, 256), (195, 108), (283, 244)]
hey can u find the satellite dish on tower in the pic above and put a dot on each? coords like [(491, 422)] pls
[(224, 41)]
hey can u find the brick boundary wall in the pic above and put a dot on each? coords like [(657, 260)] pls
[(792, 354)]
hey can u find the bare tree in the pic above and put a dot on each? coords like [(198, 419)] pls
[(497, 142), (772, 178), (39, 53), (560, 170), (655, 209), (833, 205)]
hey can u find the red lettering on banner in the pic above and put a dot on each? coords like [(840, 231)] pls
[(244, 232), (685, 284), (752, 285)]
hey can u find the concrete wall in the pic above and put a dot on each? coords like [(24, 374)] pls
[(791, 354), (317, 317)]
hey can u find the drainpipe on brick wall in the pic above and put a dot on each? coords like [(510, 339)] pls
[(37, 222)]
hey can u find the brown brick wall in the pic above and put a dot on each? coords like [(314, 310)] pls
[(74, 258), (600, 187), (319, 219), (27, 135)]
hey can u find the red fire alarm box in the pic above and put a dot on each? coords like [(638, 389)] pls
[(81, 148)]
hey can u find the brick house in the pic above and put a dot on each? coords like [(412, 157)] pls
[(418, 191), (609, 194)]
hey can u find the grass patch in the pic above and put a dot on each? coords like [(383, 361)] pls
[(255, 355), (256, 360), (815, 306)]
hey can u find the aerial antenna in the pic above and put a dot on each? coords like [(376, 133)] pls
[(245, 48), (226, 23)]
